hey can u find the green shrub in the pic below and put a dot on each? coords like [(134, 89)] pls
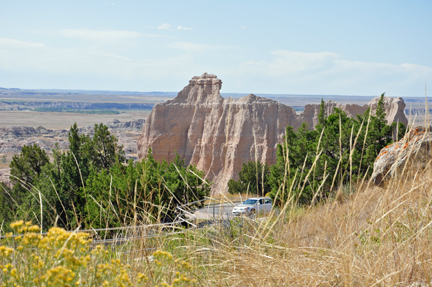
[(253, 178)]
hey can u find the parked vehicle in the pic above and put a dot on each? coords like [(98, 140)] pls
[(253, 205)]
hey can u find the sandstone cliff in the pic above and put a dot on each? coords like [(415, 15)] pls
[(219, 135)]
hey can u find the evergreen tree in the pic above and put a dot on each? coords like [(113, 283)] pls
[(322, 113), (7, 207), (310, 163), (293, 161), (25, 167), (24, 171), (102, 150), (90, 185), (142, 191), (380, 111), (253, 178)]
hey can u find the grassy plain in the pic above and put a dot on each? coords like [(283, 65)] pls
[(63, 120), (83, 96), (49, 119)]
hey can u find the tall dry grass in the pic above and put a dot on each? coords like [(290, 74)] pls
[(377, 236)]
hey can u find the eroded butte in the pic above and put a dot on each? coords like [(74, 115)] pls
[(218, 135)]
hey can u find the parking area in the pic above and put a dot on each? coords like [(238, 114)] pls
[(215, 211)]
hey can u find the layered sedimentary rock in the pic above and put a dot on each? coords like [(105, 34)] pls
[(414, 149), (219, 135)]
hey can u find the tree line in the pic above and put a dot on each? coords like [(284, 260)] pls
[(93, 186)]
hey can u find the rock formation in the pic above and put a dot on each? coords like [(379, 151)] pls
[(219, 135), (14, 138), (415, 147), (394, 108)]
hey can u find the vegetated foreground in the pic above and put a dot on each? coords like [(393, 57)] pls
[(374, 236), (329, 226)]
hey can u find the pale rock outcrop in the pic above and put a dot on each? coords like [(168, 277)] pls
[(219, 135), (414, 148), (394, 109)]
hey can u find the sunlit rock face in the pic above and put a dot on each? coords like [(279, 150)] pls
[(409, 155), (394, 109), (218, 135)]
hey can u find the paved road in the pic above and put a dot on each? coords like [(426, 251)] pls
[(218, 211)]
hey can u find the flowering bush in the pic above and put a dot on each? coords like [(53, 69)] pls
[(62, 258)]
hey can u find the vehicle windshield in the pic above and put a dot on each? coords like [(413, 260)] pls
[(250, 201)]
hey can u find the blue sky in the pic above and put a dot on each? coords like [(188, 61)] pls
[(280, 47)]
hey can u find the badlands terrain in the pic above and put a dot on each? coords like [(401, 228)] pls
[(12, 139), (218, 134), (45, 116)]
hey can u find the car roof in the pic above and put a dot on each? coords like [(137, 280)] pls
[(259, 198)]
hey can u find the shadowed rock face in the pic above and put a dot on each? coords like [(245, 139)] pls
[(219, 135)]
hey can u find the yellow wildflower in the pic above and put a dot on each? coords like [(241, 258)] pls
[(142, 277), (5, 251), (59, 275), (16, 224), (160, 253), (33, 228), (97, 249), (14, 273)]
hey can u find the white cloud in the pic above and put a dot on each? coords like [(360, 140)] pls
[(288, 62), (13, 43), (103, 35), (284, 72), (329, 73), (243, 27), (159, 36), (164, 26), (196, 47), (183, 28), (95, 62), (36, 59), (189, 47)]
